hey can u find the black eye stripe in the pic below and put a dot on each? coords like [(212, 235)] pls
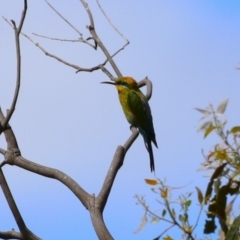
[(123, 83)]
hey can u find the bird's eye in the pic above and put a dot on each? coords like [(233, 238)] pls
[(123, 84)]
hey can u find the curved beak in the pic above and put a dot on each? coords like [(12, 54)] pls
[(113, 83)]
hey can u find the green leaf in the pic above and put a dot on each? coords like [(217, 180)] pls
[(200, 195), (209, 130), (173, 213), (235, 129), (155, 220), (181, 218), (233, 231), (168, 238), (164, 212), (188, 203), (205, 125), (222, 106)]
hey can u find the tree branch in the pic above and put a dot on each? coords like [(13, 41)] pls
[(17, 32), (64, 19), (27, 234), (79, 69), (91, 28), (64, 40), (97, 220), (116, 164), (110, 22), (21, 162), (11, 235), (146, 82)]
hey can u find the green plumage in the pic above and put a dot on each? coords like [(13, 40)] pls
[(137, 111)]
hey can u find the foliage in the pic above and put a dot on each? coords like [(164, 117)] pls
[(224, 161)]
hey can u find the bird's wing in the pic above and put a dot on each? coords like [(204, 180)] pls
[(139, 106)]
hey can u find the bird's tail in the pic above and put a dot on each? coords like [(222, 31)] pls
[(148, 145)]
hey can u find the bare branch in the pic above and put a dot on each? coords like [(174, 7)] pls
[(2, 151), (148, 83), (166, 230), (107, 73), (116, 164), (110, 177), (105, 70), (27, 234), (13, 157), (120, 49), (65, 40), (23, 17), (105, 62), (21, 162), (64, 18), (17, 32), (91, 28), (94, 37), (97, 220), (63, 61), (110, 22), (11, 235), (57, 39), (10, 138), (88, 12), (131, 139), (81, 39)]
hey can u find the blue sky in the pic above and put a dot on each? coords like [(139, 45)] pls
[(190, 51)]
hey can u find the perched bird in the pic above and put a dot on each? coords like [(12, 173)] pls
[(137, 111)]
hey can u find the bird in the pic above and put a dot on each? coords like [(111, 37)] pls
[(137, 111)]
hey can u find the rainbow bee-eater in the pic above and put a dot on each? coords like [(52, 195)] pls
[(137, 111)]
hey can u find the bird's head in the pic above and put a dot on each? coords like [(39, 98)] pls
[(123, 83)]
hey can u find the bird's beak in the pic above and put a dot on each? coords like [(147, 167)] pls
[(113, 83)]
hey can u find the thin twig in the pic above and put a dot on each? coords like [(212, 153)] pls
[(198, 218), (107, 72), (105, 62), (17, 32), (66, 40), (175, 221), (97, 39), (63, 40), (166, 230), (64, 18), (110, 22), (143, 203), (61, 60)]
